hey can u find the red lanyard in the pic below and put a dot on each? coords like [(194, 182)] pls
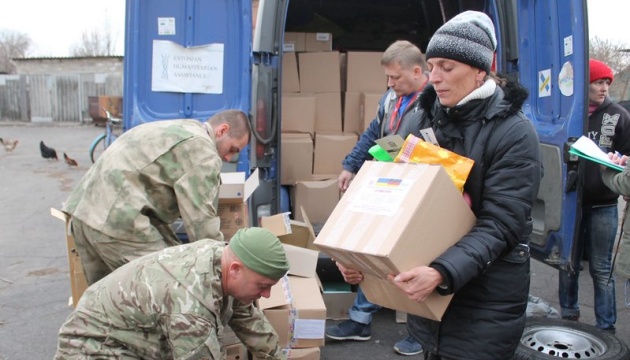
[(395, 113)]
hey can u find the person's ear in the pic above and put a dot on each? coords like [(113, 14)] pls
[(235, 269), (222, 130)]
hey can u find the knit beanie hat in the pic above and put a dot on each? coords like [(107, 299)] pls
[(260, 251), (468, 38), (599, 70)]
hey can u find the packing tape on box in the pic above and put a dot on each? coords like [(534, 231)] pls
[(286, 289)]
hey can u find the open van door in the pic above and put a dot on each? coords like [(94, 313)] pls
[(186, 60), (553, 64)]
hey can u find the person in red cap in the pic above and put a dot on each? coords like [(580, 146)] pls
[(609, 128)]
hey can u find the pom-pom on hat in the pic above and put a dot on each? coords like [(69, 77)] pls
[(260, 251), (468, 38), (599, 70)]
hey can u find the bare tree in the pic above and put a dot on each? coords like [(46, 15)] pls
[(95, 42), (12, 45), (617, 57)]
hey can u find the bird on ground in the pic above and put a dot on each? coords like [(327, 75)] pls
[(9, 144), (69, 161), (47, 152)]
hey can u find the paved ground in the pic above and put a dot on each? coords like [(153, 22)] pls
[(34, 282)]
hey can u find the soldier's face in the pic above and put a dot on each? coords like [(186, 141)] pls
[(251, 286), (229, 146)]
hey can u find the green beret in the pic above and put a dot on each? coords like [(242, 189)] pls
[(260, 251)]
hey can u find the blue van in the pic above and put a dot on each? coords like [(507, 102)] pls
[(542, 42)]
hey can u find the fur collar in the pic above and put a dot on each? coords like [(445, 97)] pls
[(506, 101)]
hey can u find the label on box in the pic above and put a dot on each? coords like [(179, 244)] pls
[(309, 328), (322, 36), (381, 196), (288, 47)]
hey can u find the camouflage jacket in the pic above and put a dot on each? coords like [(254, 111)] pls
[(149, 177), (165, 305)]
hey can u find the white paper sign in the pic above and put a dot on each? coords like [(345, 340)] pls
[(381, 196), (187, 70), (309, 328)]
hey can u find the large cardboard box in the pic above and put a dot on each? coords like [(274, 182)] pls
[(233, 194), (320, 41), (317, 198), (330, 150), (320, 72), (296, 311), (292, 232), (392, 218), (290, 77), (298, 113), (369, 108), (352, 117), (365, 73), (328, 112), (78, 282), (294, 41), (296, 158)]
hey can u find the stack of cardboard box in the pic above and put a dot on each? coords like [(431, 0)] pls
[(326, 97), (295, 307)]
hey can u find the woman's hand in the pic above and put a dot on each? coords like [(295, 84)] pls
[(418, 282)]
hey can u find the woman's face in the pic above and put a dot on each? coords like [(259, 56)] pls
[(453, 80)]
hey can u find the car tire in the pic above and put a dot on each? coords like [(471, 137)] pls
[(548, 338)]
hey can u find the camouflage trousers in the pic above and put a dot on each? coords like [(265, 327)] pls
[(101, 254)]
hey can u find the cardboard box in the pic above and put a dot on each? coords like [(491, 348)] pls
[(292, 232), (302, 262), (328, 112), (298, 113), (290, 77), (294, 41), (330, 150), (369, 108), (318, 41), (338, 298), (78, 282), (320, 72), (233, 194), (317, 198), (352, 117), (236, 352), (365, 73), (395, 217), (301, 354), (296, 158), (296, 311)]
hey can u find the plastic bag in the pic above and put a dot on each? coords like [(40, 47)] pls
[(416, 150)]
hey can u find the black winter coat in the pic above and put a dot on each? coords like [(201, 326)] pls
[(486, 270)]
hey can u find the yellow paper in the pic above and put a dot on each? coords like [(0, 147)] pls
[(416, 150)]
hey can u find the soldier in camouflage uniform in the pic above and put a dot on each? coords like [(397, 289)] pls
[(148, 178), (175, 303)]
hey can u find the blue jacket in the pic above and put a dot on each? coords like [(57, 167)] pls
[(410, 124)]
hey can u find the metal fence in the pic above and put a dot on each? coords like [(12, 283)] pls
[(53, 98)]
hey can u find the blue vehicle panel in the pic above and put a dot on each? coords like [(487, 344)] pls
[(189, 24)]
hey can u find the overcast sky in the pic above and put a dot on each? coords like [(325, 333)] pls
[(56, 25)]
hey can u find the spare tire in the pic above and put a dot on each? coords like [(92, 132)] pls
[(547, 338)]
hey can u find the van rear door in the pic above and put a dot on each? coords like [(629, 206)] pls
[(186, 59), (553, 65)]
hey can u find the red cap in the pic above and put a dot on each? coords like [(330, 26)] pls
[(599, 70)]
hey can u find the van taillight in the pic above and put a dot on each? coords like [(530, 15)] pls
[(261, 127)]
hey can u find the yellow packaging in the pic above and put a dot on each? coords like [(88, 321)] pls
[(416, 150)]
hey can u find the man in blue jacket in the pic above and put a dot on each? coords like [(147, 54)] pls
[(398, 113)]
